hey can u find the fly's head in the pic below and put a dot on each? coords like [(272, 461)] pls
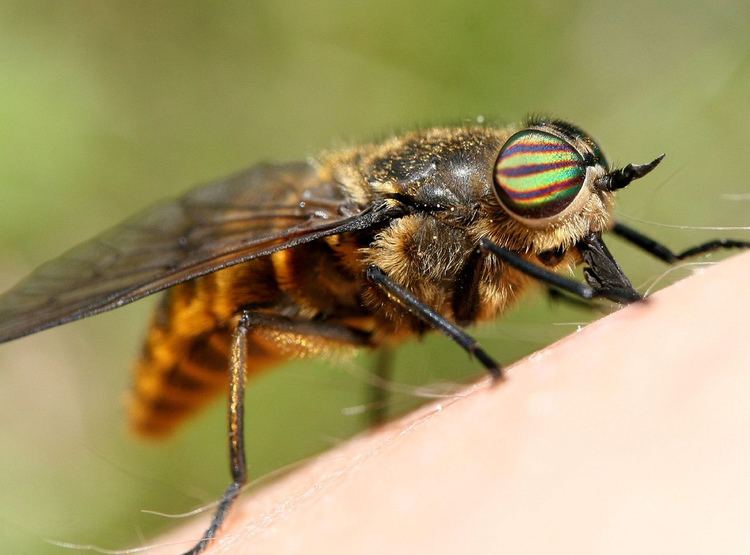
[(553, 187)]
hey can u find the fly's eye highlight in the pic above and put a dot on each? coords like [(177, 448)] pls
[(538, 174)]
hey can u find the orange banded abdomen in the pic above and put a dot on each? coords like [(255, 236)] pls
[(185, 358)]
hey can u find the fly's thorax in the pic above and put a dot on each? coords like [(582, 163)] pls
[(419, 248), (316, 279), (343, 168), (432, 259), (437, 166), (422, 254)]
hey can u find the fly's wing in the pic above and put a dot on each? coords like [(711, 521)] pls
[(254, 213)]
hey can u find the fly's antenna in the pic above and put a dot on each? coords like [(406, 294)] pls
[(617, 179)]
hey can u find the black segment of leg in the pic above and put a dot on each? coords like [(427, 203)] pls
[(414, 305), (236, 408), (664, 253), (516, 261)]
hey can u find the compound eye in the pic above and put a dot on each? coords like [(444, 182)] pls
[(537, 174)]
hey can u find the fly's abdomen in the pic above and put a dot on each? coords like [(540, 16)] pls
[(185, 360), (179, 375), (184, 363), (174, 377)]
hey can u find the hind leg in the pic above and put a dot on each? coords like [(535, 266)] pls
[(236, 408)]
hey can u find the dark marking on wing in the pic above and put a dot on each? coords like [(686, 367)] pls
[(251, 214)]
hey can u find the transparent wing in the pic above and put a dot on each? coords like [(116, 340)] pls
[(256, 212)]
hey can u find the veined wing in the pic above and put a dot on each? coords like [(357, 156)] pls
[(251, 214)]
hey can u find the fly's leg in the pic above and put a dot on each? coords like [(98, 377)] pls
[(237, 463), (664, 253), (414, 305), (557, 281), (237, 366), (466, 301), (378, 395), (603, 274)]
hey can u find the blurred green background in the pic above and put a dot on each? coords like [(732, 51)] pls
[(106, 107)]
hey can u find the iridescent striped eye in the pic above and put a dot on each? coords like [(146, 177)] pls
[(537, 174)]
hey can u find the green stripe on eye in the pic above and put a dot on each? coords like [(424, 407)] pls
[(537, 174)]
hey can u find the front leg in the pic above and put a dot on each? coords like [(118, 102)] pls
[(662, 252), (466, 301), (604, 276)]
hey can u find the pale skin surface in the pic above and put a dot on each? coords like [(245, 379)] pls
[(632, 436)]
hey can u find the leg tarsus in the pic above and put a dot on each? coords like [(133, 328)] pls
[(664, 253), (226, 502)]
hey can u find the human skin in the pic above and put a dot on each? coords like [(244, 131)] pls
[(630, 436)]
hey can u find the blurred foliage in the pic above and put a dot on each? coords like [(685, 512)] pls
[(108, 106)]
